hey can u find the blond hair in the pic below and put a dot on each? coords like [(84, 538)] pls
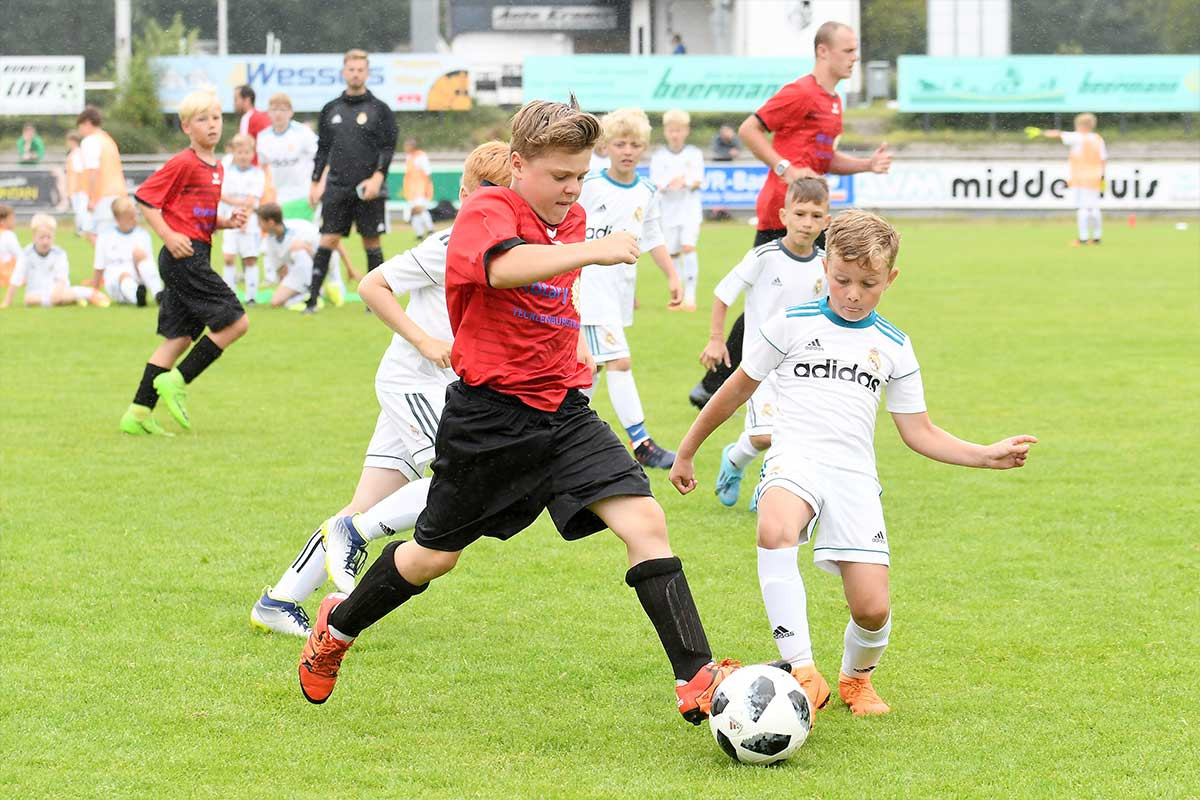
[(43, 222), (487, 162), (630, 123), (864, 238), (241, 140), (197, 101), (677, 116), (355, 54), (808, 189), (1086, 119), (544, 125), (280, 100), (122, 204)]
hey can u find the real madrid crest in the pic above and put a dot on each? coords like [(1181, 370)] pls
[(876, 362)]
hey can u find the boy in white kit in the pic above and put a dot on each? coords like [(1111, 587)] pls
[(288, 247), (243, 188), (125, 258), (615, 199), (775, 275), (288, 148), (832, 359), (678, 171), (45, 273), (410, 385)]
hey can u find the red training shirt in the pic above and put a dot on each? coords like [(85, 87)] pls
[(254, 122), (806, 121), (518, 341), (186, 189)]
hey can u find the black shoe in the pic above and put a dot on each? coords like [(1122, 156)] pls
[(310, 310), (140, 294), (1095, 241), (699, 396), (648, 454), (251, 302)]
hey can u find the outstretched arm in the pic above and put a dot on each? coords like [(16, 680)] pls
[(530, 263), (922, 436), (728, 399), (880, 161)]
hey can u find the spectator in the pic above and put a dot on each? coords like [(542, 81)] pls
[(30, 148), (104, 178), (252, 121), (725, 145), (677, 48)]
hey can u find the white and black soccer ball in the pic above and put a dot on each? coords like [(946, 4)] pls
[(760, 715)]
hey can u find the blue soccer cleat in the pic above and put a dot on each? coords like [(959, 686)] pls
[(729, 479)]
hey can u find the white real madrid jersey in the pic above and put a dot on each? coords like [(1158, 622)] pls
[(773, 278), (114, 250), (239, 184), (277, 250), (421, 274), (830, 374), (38, 273), (611, 207), (290, 157), (679, 206)]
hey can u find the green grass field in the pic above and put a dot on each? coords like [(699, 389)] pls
[(1044, 640)]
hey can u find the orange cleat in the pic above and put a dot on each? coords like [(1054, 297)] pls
[(695, 696), (322, 654), (860, 695), (811, 681)]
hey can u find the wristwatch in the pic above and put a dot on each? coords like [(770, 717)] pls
[(782, 167)]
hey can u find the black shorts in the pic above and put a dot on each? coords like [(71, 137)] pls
[(499, 463), (341, 206), (193, 296)]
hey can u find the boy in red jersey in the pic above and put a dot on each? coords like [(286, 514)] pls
[(180, 203), (516, 434)]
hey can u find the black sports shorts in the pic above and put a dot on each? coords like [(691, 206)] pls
[(500, 462), (194, 297), (341, 206)]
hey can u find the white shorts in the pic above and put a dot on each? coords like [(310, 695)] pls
[(762, 407), (1086, 198), (83, 217), (243, 244), (112, 285), (628, 292), (676, 236), (847, 506), (606, 342), (406, 430), (299, 273)]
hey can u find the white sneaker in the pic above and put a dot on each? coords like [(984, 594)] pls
[(281, 616), (345, 552)]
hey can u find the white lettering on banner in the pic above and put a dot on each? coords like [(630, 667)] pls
[(1021, 185), (31, 85), (553, 18)]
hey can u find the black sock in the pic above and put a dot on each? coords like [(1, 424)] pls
[(146, 394), (664, 594), (381, 591), (320, 270), (204, 352), (713, 380), (374, 258)]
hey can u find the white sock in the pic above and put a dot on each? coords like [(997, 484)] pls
[(251, 272), (148, 272), (864, 648), (334, 276), (427, 220), (1095, 215), (1081, 222), (296, 298), (623, 393), (82, 292), (691, 277), (396, 512), (128, 288), (231, 278), (306, 574), (786, 603), (743, 451)]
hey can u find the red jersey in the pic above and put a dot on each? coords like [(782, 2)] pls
[(254, 122), (806, 121), (186, 189), (518, 341)]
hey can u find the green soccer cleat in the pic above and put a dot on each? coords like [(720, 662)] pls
[(173, 391), (137, 421)]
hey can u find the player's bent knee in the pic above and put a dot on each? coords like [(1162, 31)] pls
[(689, 248), (620, 365), (871, 616), (761, 442)]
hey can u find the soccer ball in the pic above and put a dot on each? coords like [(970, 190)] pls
[(760, 715)]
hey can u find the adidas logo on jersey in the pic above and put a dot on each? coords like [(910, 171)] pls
[(879, 538), (777, 282), (781, 633), (597, 232), (815, 344), (602, 209), (829, 370)]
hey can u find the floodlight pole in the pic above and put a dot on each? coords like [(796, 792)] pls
[(222, 27), (123, 43)]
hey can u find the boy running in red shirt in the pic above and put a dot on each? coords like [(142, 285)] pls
[(516, 434), (180, 203)]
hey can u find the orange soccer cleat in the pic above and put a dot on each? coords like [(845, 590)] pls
[(322, 654), (695, 696), (860, 695), (811, 681)]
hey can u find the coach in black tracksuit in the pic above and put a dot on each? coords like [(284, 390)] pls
[(356, 141)]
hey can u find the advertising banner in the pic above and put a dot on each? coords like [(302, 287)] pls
[(734, 187), (405, 81), (659, 83), (1026, 185), (41, 85), (1049, 83)]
